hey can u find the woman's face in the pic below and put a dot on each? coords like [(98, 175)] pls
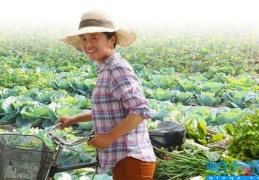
[(97, 46)]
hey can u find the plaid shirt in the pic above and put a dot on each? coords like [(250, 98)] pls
[(118, 92)]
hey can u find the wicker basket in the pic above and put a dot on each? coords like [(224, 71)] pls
[(220, 145)]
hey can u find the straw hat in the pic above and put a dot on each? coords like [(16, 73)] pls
[(99, 21)]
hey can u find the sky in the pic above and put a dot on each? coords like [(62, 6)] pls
[(147, 11)]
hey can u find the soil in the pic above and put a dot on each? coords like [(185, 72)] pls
[(7, 127)]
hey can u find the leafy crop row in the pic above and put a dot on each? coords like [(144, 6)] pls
[(201, 79)]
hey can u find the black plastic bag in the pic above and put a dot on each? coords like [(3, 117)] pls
[(167, 134)]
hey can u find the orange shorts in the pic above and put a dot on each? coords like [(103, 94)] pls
[(131, 168)]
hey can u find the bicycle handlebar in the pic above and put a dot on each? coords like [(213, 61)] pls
[(60, 140)]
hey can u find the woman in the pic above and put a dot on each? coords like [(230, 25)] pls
[(118, 105)]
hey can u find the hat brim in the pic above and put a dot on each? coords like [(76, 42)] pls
[(125, 37)]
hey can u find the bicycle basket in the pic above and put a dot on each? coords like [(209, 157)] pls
[(23, 157)]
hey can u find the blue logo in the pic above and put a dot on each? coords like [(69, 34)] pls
[(236, 168)]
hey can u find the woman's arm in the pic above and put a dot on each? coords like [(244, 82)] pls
[(104, 140), (125, 126)]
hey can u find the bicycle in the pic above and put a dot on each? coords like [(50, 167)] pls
[(27, 157), (44, 163)]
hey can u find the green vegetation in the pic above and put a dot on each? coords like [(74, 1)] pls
[(245, 140), (201, 78)]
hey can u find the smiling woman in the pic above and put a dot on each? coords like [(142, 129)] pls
[(142, 11), (119, 109)]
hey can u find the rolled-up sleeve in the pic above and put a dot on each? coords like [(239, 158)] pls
[(126, 87)]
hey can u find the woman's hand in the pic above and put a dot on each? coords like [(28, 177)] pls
[(66, 121), (69, 120), (101, 141)]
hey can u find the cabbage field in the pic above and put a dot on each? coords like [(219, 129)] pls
[(204, 77)]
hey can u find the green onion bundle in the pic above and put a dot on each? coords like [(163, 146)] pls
[(180, 165)]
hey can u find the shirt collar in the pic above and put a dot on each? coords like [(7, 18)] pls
[(107, 61)]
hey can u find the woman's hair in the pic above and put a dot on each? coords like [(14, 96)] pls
[(109, 36)]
